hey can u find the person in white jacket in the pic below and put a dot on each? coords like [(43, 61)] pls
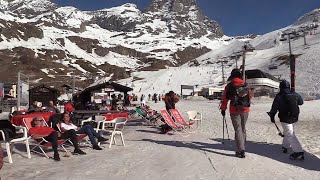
[(87, 129)]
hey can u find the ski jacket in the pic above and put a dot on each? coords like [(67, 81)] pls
[(279, 104), (237, 82), (68, 107), (171, 101)]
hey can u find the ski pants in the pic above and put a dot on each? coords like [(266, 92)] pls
[(290, 139), (239, 121)]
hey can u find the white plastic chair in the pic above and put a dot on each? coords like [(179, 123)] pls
[(117, 130), (196, 117), (85, 120), (24, 139)]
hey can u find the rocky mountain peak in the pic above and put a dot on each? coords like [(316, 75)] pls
[(27, 8), (184, 18), (179, 6)]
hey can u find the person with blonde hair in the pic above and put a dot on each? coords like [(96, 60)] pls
[(39, 130)]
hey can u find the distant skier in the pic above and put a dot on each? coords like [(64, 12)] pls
[(142, 100), (155, 98), (287, 103)]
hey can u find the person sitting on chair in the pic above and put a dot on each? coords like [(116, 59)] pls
[(87, 129), (52, 108), (39, 130)]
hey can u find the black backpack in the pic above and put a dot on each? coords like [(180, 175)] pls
[(292, 108), (239, 96), (8, 129)]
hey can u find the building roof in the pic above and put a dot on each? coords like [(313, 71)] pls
[(43, 86), (116, 86), (256, 73)]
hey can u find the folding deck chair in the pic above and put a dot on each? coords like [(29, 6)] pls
[(180, 120), (41, 142), (175, 127), (144, 115)]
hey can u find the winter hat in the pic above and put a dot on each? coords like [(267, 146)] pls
[(284, 84), (171, 93), (236, 73)]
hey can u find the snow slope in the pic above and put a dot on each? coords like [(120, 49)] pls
[(268, 49)]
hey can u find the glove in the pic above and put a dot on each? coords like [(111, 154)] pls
[(223, 112), (272, 119)]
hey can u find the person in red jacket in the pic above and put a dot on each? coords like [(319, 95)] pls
[(239, 94), (68, 107)]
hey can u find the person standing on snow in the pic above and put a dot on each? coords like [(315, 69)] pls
[(239, 94), (142, 100), (287, 103), (170, 100)]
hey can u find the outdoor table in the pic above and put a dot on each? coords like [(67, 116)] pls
[(98, 112), (84, 114), (17, 119), (111, 116)]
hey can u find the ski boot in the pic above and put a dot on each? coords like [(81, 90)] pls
[(297, 156), (240, 154), (284, 150)]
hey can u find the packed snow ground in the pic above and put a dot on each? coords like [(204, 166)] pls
[(150, 155)]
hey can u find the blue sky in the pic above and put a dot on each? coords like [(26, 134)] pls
[(237, 17)]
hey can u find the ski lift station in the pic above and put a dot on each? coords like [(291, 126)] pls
[(264, 84)]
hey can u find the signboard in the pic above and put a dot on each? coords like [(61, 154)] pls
[(186, 87), (99, 97)]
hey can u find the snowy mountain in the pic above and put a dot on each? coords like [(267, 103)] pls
[(271, 49), (46, 41), (312, 16), (169, 44)]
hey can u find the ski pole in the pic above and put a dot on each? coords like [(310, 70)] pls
[(280, 133), (226, 127), (222, 129)]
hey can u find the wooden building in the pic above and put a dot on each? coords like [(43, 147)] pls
[(43, 94), (85, 95)]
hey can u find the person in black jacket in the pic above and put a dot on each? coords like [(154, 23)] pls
[(280, 104)]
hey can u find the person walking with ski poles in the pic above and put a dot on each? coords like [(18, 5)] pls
[(239, 94), (287, 104)]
